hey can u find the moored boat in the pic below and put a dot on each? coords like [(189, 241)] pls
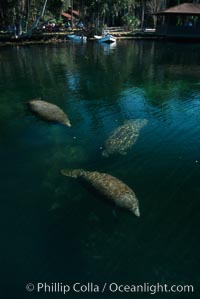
[(106, 37), (79, 38)]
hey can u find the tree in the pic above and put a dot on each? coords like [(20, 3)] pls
[(25, 15), (41, 13), (154, 6)]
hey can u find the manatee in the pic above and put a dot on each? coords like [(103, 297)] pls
[(108, 186), (123, 137), (49, 112)]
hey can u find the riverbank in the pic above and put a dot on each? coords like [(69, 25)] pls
[(58, 37)]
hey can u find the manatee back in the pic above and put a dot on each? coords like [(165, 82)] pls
[(121, 139), (114, 189), (110, 187)]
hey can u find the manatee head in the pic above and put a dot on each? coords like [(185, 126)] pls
[(140, 123), (137, 123), (129, 201), (136, 211), (143, 122), (135, 208), (67, 123)]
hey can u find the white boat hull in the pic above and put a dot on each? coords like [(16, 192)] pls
[(75, 37), (109, 38)]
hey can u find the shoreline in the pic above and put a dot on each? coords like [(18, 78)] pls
[(61, 37)]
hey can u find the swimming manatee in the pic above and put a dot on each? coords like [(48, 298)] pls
[(109, 186), (123, 137), (49, 112)]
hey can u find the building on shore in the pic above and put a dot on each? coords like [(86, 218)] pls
[(181, 21)]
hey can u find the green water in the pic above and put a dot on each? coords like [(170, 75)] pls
[(54, 229)]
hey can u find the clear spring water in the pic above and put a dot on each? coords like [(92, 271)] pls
[(54, 229)]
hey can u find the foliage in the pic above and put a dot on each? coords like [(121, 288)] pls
[(131, 21), (55, 7), (23, 14)]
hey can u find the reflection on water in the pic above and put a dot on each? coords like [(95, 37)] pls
[(55, 228), (108, 48)]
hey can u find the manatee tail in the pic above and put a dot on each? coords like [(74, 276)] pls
[(73, 173)]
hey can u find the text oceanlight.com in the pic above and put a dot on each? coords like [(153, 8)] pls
[(113, 287)]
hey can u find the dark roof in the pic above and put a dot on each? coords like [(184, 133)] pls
[(185, 8)]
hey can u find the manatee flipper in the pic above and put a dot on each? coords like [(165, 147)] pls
[(105, 154)]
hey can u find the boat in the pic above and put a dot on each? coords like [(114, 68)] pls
[(106, 37), (78, 38)]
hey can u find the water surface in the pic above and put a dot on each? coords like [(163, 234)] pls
[(54, 229)]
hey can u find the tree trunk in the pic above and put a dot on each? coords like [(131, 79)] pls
[(35, 24), (97, 21), (143, 11), (20, 10), (19, 31), (27, 14), (72, 20)]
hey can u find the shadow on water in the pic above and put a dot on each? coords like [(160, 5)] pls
[(55, 229)]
